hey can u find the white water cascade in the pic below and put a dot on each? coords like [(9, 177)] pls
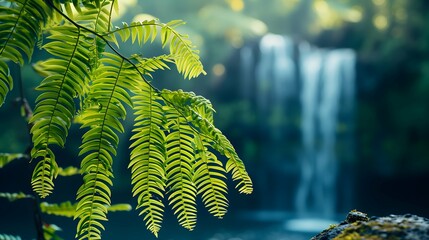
[(321, 82)]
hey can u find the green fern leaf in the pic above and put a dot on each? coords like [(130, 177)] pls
[(102, 116), (149, 65), (185, 55), (180, 158), (20, 24), (148, 157), (55, 105), (181, 49), (199, 114), (44, 173), (210, 179)]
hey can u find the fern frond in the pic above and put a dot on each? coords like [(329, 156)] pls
[(20, 25), (55, 105), (185, 55), (140, 31), (6, 158), (149, 65), (148, 156), (102, 116), (9, 237), (44, 173), (180, 158), (199, 114), (97, 19), (210, 179), (181, 49)]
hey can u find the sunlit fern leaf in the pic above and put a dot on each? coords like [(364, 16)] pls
[(149, 65), (99, 20), (185, 54), (20, 25), (199, 114), (6, 158), (148, 156), (180, 158), (210, 179), (44, 173), (9, 237), (55, 105), (182, 51), (102, 116)]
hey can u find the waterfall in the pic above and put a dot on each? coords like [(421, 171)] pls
[(327, 85), (319, 85)]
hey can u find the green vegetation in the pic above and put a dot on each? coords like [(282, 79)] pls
[(90, 82)]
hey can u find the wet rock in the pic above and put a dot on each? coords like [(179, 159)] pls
[(358, 226)]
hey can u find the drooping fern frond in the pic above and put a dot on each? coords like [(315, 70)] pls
[(148, 156), (179, 171), (172, 152), (55, 105), (199, 114), (102, 115), (20, 26), (210, 179)]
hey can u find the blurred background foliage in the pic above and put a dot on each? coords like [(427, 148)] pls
[(390, 37)]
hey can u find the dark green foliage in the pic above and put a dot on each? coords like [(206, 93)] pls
[(88, 81)]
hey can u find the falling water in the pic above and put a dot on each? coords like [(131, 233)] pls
[(321, 81), (327, 78)]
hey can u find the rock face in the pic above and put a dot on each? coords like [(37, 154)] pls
[(358, 226)]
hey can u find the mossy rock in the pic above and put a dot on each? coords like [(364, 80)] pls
[(358, 226)]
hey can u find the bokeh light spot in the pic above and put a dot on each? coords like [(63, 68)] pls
[(380, 22), (236, 5), (218, 70)]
